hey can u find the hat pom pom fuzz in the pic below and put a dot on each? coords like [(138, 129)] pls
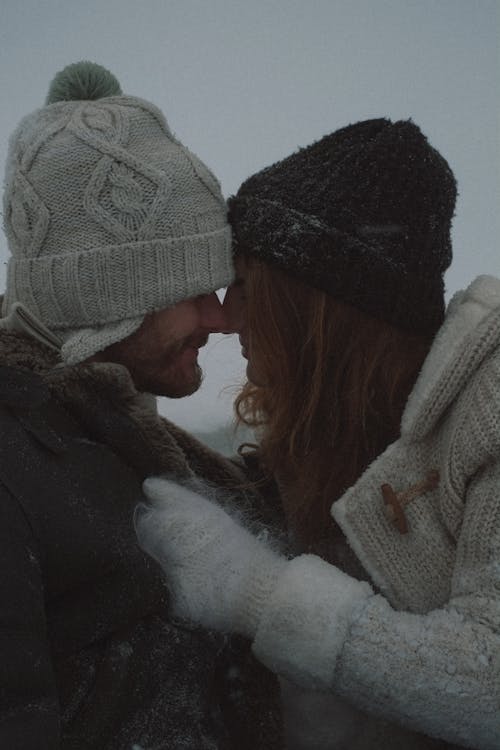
[(82, 81)]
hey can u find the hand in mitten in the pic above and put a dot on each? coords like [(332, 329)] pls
[(218, 573)]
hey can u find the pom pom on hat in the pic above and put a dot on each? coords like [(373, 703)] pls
[(82, 81)]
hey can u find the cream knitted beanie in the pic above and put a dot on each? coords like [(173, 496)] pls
[(108, 217)]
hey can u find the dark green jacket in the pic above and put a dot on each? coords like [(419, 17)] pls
[(89, 657)]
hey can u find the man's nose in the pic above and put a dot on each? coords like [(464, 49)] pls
[(213, 317)]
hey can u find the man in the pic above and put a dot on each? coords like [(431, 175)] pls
[(119, 240)]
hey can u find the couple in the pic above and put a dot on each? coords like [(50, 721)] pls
[(378, 603)]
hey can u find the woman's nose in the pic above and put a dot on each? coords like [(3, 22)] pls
[(234, 306), (213, 316)]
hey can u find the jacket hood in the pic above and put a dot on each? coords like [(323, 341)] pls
[(471, 331)]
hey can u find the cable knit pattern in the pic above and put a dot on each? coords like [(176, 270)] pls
[(108, 217), (425, 651)]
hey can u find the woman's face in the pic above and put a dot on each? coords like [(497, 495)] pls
[(235, 310)]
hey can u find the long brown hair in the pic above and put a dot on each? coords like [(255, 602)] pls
[(335, 382)]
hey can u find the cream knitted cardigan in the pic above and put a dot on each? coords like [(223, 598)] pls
[(425, 651)]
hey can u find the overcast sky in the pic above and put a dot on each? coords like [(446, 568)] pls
[(245, 83)]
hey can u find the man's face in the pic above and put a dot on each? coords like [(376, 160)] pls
[(162, 355)]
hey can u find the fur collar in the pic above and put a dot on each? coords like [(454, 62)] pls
[(158, 447)]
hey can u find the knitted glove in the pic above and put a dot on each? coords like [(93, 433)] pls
[(218, 573)]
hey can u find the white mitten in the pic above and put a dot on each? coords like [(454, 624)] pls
[(218, 573)]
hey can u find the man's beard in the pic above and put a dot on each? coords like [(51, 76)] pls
[(165, 376), (164, 373), (178, 387)]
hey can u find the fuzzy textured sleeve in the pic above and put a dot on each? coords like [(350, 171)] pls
[(438, 673)]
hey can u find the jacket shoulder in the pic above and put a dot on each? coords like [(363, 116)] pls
[(475, 421), (466, 342)]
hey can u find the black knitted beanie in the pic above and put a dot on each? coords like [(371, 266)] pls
[(363, 214)]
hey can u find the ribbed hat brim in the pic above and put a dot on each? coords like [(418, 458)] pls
[(337, 263), (99, 286)]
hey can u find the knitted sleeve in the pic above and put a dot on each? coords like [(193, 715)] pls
[(437, 673), (29, 713)]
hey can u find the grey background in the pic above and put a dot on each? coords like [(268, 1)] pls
[(245, 83)]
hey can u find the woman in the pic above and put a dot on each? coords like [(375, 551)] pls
[(380, 423)]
